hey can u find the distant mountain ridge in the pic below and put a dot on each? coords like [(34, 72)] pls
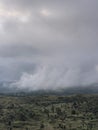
[(90, 89)]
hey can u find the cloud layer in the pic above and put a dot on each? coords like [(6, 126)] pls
[(49, 43)]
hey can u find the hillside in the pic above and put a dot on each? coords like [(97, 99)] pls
[(74, 112)]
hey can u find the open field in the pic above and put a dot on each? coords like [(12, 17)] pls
[(75, 112)]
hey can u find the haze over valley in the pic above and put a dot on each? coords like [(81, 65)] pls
[(48, 44)]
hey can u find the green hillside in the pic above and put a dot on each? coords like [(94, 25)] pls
[(75, 112)]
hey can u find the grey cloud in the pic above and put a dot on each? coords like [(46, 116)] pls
[(16, 50), (58, 50)]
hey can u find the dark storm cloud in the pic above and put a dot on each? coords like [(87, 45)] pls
[(49, 42)]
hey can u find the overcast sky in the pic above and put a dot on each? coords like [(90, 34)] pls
[(49, 43)]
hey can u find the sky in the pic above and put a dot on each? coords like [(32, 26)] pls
[(49, 44)]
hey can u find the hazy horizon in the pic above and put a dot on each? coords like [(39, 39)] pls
[(48, 44)]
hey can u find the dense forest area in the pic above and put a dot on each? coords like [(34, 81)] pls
[(71, 112)]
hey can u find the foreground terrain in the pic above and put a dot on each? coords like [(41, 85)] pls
[(75, 112)]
